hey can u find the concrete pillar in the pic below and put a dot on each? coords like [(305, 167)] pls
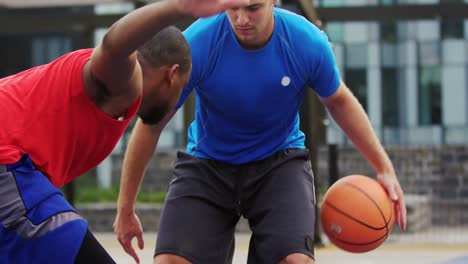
[(409, 83), (374, 87), (104, 174)]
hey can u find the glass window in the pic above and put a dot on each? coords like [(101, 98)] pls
[(47, 49), (430, 105), (406, 30), (15, 54), (427, 30), (388, 32), (356, 55), (429, 53), (387, 2), (356, 80), (356, 32), (330, 3), (390, 98), (452, 28), (389, 55), (23, 51), (453, 52), (335, 31)]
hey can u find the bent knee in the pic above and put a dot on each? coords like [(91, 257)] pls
[(170, 259), (297, 258)]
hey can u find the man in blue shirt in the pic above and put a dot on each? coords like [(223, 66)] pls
[(246, 155)]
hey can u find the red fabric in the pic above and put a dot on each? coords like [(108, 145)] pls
[(46, 113)]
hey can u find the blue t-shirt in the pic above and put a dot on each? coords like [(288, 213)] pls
[(247, 101)]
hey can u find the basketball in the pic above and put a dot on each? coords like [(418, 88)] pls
[(357, 214)]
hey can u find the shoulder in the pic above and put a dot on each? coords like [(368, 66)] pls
[(73, 60), (77, 55), (297, 29), (204, 37), (207, 29)]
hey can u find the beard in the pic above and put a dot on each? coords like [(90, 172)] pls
[(153, 115)]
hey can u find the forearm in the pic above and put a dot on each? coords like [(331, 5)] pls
[(140, 149), (134, 29), (351, 117)]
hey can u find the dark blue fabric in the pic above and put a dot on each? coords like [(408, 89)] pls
[(59, 246), (42, 201), (34, 187)]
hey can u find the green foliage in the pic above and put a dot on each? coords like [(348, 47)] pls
[(96, 195), (87, 192), (156, 197)]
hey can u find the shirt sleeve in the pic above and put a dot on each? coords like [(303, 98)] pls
[(186, 92), (324, 73), (195, 36), (315, 52)]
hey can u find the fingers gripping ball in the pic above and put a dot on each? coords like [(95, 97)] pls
[(357, 214)]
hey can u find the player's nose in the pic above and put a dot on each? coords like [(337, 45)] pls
[(242, 18)]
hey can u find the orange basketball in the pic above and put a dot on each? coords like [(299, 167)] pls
[(357, 214)]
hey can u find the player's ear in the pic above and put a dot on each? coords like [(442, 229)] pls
[(172, 73)]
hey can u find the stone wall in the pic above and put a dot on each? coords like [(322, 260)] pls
[(158, 173), (101, 217), (438, 172)]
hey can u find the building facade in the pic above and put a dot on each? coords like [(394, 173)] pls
[(410, 76)]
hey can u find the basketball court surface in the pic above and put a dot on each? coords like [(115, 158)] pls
[(390, 252)]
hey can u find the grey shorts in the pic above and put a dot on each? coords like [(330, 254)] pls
[(206, 198)]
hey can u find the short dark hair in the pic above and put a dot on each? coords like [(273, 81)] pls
[(167, 47)]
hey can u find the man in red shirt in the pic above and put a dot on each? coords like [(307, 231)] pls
[(61, 119)]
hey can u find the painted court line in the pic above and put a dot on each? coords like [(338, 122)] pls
[(459, 260)]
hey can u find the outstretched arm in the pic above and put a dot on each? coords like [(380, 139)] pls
[(114, 71), (351, 117), (141, 147)]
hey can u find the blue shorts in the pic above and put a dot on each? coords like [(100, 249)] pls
[(38, 224)]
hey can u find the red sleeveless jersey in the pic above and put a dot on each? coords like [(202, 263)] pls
[(46, 113)]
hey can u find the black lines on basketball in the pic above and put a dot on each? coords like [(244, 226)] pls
[(353, 218), (357, 214), (370, 198)]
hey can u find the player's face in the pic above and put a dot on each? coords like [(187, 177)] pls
[(253, 24), (160, 96)]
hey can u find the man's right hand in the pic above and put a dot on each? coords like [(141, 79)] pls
[(203, 8), (126, 227)]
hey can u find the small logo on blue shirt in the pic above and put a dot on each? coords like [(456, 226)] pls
[(285, 81)]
